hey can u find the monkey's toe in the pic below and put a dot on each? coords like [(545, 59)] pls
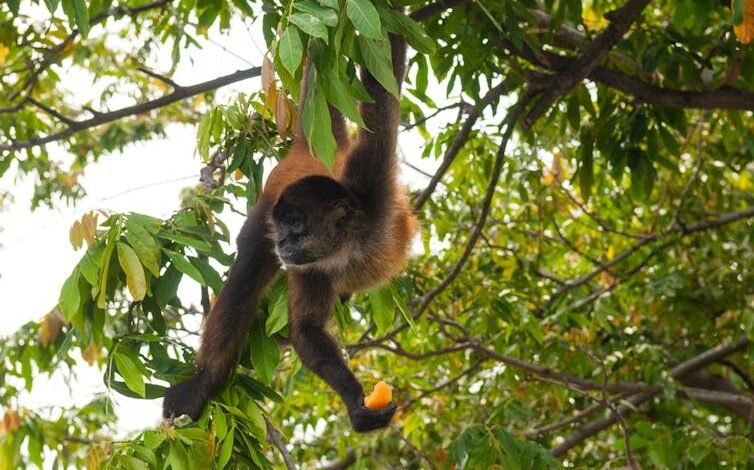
[(185, 398), (365, 420)]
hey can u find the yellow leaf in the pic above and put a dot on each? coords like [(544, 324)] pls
[(238, 174), (76, 235), (592, 19), (743, 182), (4, 50), (93, 458), (271, 99), (745, 30), (68, 48), (50, 328), (89, 227), (11, 422), (606, 279), (129, 261), (92, 354)]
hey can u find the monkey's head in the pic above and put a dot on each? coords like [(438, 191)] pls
[(313, 220)]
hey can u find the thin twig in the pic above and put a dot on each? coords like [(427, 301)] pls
[(459, 140), (572, 419), (276, 439), (160, 77)]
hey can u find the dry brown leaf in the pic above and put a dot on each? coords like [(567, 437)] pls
[(11, 422), (50, 328), (268, 73), (282, 116), (92, 354)]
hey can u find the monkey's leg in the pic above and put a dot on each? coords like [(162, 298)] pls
[(228, 323), (311, 302)]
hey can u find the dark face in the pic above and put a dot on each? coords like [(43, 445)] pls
[(312, 221)]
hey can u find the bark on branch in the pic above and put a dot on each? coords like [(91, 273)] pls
[(620, 22)]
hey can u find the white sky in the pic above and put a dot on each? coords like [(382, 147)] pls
[(36, 256)]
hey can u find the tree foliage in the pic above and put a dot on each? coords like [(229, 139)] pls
[(582, 295)]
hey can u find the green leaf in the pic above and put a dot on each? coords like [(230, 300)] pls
[(184, 265), (256, 420), (383, 308), (402, 307), (167, 286), (52, 5), (227, 449), (326, 15), (13, 5), (329, 4), (187, 240), (338, 94), (738, 11), (290, 49), (130, 373), (5, 163), (90, 269), (586, 166), (221, 424), (264, 353), (278, 316), (209, 274), (317, 123), (413, 32), (203, 135), (131, 265), (77, 15), (70, 296), (378, 60), (364, 17), (144, 244), (310, 24)]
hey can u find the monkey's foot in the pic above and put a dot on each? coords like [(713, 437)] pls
[(186, 398), (364, 420)]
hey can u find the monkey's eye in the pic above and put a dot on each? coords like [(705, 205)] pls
[(341, 223)]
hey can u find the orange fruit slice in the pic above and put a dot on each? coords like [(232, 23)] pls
[(380, 397)]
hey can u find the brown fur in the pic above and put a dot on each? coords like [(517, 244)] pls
[(371, 249)]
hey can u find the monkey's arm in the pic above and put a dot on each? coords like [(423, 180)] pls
[(311, 302), (228, 323), (372, 162)]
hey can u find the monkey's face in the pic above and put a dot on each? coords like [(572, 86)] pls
[(312, 221)]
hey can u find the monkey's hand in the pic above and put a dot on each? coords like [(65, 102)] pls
[(364, 420), (186, 398)]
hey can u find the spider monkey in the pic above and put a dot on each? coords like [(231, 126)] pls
[(334, 235)]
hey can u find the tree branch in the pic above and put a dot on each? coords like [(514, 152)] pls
[(677, 372), (276, 439), (103, 118), (458, 142), (620, 22)]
